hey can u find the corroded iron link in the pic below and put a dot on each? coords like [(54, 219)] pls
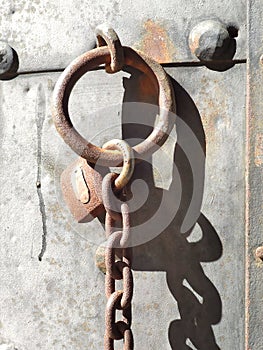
[(118, 269), (106, 36), (118, 181), (128, 161)]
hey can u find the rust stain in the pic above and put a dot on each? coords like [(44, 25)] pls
[(214, 112), (156, 43), (85, 326), (259, 150)]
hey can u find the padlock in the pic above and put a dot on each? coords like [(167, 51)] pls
[(81, 187)]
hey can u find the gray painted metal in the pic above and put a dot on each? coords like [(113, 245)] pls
[(58, 303), (48, 35), (6, 58), (254, 300)]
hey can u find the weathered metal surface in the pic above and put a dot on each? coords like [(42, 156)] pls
[(254, 192), (204, 283), (52, 304), (87, 62), (82, 192), (194, 294), (50, 34)]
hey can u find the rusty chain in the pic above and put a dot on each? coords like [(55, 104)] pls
[(118, 270), (118, 241), (114, 153)]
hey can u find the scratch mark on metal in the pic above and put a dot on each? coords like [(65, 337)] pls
[(40, 117)]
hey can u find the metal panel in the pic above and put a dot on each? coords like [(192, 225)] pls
[(49, 34), (254, 176), (223, 120), (58, 303)]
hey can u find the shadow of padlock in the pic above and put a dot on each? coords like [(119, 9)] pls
[(81, 187)]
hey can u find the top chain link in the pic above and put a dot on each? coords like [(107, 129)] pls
[(106, 36)]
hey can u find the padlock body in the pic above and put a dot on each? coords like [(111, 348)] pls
[(81, 188)]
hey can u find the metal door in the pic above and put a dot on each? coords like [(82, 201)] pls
[(197, 290)]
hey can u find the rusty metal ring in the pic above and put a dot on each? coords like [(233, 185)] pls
[(89, 61), (107, 36), (128, 161)]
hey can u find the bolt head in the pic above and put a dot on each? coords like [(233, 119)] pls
[(209, 40), (6, 57)]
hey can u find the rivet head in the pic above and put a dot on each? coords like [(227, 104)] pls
[(6, 57), (259, 253), (210, 40)]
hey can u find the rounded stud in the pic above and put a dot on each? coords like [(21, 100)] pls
[(6, 58), (211, 40)]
